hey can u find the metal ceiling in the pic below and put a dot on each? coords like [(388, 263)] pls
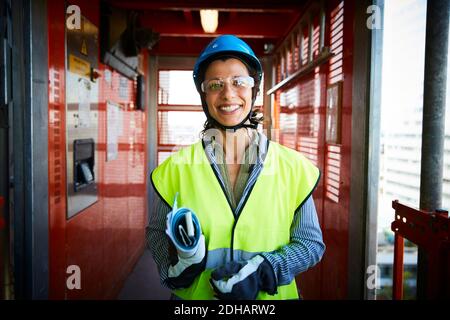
[(181, 33)]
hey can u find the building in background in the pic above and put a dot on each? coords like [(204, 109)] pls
[(401, 132)]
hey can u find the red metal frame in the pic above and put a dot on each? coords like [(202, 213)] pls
[(56, 150), (397, 285), (431, 232)]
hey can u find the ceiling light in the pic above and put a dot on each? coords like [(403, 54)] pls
[(209, 20)]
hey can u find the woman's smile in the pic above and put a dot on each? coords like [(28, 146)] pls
[(229, 109)]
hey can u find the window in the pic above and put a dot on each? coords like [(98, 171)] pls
[(180, 115), (401, 128)]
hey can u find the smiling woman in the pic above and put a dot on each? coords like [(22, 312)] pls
[(253, 240)]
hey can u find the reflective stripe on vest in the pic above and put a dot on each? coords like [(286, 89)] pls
[(263, 225)]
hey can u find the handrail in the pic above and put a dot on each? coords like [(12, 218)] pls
[(323, 57)]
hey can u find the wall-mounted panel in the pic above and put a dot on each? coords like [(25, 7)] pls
[(81, 116)]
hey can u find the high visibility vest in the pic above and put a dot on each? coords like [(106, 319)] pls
[(262, 225)]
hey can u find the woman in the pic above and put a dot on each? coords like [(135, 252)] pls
[(252, 197)]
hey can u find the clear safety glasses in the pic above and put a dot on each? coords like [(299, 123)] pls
[(237, 83)]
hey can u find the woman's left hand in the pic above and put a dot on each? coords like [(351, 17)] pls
[(242, 280)]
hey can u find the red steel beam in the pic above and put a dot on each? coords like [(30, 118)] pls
[(264, 25), (192, 46), (397, 286), (237, 6), (431, 232)]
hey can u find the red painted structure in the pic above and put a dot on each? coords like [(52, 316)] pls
[(106, 239), (300, 109), (178, 22), (431, 232)]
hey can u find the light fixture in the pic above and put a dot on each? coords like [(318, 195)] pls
[(209, 20)]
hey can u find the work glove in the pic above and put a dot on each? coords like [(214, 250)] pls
[(183, 272), (242, 280), (183, 229)]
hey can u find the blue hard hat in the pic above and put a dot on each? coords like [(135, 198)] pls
[(227, 45)]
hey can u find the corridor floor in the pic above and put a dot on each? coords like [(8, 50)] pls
[(143, 283)]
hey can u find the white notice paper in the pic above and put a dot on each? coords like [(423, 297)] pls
[(84, 107), (113, 125)]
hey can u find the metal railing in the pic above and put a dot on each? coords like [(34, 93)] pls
[(430, 231)]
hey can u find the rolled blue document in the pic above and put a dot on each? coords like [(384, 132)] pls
[(183, 228)]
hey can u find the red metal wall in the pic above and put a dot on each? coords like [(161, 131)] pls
[(106, 239), (301, 118)]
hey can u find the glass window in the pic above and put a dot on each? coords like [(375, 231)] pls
[(180, 127), (176, 87), (401, 128)]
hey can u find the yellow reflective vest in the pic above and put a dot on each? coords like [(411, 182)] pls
[(262, 225)]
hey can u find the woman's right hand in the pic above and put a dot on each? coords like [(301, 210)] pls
[(188, 267)]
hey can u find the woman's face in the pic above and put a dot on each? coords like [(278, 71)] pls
[(232, 104)]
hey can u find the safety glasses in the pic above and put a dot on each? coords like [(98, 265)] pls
[(237, 83)]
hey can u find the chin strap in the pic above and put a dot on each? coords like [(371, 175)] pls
[(253, 124)]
